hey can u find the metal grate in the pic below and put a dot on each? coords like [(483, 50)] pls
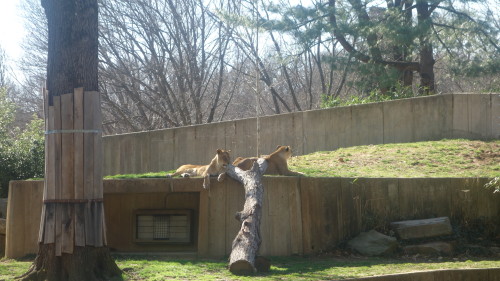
[(163, 227)]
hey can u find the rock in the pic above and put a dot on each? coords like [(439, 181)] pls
[(413, 229), (373, 243), (433, 248)]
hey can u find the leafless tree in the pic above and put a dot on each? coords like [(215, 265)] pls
[(163, 63)]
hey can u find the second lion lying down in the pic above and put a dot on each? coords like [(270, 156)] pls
[(217, 167), (277, 162)]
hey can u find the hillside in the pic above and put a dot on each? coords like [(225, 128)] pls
[(445, 158)]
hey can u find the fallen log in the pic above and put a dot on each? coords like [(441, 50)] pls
[(243, 259)]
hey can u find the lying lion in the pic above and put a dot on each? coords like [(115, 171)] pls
[(277, 162), (217, 167)]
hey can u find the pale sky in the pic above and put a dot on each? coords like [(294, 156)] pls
[(11, 28)]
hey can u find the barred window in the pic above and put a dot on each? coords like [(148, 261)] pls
[(163, 226)]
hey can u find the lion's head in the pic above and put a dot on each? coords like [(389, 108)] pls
[(284, 151), (223, 157)]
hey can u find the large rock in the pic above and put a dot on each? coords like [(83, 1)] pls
[(414, 229), (432, 248), (373, 243)]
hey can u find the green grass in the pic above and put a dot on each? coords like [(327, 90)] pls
[(283, 268), (445, 158)]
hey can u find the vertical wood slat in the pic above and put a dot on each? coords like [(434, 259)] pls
[(67, 172), (57, 170), (97, 152), (79, 211), (50, 176), (88, 167), (41, 231)]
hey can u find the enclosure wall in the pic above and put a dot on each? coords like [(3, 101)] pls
[(472, 116), (300, 215)]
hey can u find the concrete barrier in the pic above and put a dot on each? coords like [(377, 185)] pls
[(300, 215), (472, 116)]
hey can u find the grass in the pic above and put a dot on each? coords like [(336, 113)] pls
[(283, 268), (445, 158)]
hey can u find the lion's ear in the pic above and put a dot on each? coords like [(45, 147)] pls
[(287, 148), (219, 151), (278, 147), (228, 150)]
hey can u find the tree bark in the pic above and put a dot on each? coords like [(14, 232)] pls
[(243, 259), (72, 236)]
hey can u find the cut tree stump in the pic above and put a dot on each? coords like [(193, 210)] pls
[(243, 259)]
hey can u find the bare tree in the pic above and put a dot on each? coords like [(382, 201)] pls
[(163, 63)]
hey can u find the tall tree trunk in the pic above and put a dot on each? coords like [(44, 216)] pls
[(72, 234), (427, 86)]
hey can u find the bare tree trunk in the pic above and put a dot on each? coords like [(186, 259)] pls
[(72, 235), (243, 258), (427, 84)]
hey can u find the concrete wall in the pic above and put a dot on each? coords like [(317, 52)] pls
[(473, 116), (300, 215)]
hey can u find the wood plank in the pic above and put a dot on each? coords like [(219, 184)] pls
[(41, 229), (278, 210), (57, 147), (89, 226), (98, 159), (79, 212), (14, 246), (98, 220), (67, 148), (57, 171), (79, 215), (58, 241), (88, 148), (50, 175), (97, 174), (295, 219), (305, 194), (50, 224), (203, 223), (78, 143), (67, 173), (67, 239), (217, 219)]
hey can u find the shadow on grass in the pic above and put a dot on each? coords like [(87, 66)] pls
[(299, 268)]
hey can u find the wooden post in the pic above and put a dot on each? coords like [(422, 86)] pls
[(243, 258)]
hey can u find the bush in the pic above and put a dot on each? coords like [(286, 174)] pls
[(21, 151)]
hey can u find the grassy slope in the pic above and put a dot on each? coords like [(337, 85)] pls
[(445, 158)]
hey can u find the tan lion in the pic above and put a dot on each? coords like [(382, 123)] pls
[(217, 167), (277, 162)]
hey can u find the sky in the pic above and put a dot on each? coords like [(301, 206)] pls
[(11, 28)]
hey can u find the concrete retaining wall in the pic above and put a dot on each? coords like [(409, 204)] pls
[(300, 215), (472, 116)]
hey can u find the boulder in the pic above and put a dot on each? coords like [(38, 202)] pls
[(373, 243), (415, 229), (432, 248)]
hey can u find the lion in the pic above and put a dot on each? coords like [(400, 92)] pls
[(277, 162), (217, 167)]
